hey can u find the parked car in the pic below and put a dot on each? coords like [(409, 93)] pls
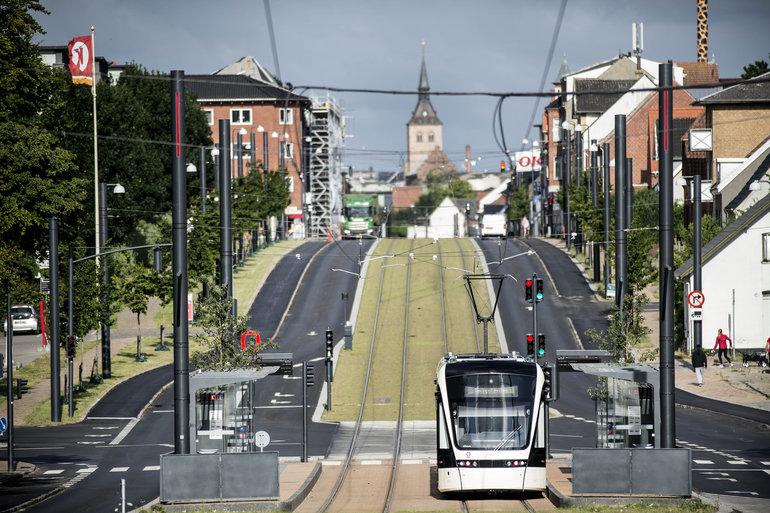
[(493, 221), (24, 319)]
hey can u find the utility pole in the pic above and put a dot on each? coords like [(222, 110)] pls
[(621, 251), (9, 389), (595, 203), (666, 264), (629, 204), (53, 270), (179, 268), (239, 152), (697, 328), (606, 235), (225, 212), (543, 188), (567, 181), (202, 177), (70, 329)]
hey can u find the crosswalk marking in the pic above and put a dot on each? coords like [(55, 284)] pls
[(737, 462), (765, 462), (703, 462), (151, 467), (119, 469), (53, 472), (411, 462), (86, 470), (371, 462), (331, 463)]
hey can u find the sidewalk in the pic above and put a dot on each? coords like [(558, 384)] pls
[(749, 387)]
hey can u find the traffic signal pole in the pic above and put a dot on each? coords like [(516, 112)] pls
[(9, 402), (70, 329), (53, 270), (534, 312), (697, 328), (304, 411), (621, 251)]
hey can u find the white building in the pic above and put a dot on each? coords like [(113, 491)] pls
[(446, 221), (736, 281)]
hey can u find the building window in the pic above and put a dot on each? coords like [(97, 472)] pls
[(430, 137), (240, 116), (766, 247), (209, 116), (290, 183), (419, 136), (287, 150), (285, 116)]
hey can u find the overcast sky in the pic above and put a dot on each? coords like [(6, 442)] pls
[(471, 45)]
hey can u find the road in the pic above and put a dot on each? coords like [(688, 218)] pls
[(83, 463), (730, 444), (26, 348)]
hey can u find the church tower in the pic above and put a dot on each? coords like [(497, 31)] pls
[(424, 131)]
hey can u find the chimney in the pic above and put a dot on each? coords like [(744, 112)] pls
[(467, 159), (703, 30)]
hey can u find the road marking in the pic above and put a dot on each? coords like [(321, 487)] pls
[(703, 462), (371, 462), (149, 468), (715, 473), (163, 411), (567, 436), (272, 407), (105, 427), (278, 394), (125, 431), (766, 471), (86, 470), (291, 377), (331, 463), (91, 443), (53, 472), (411, 462), (98, 436), (765, 462), (740, 491), (737, 462), (575, 333), (119, 469), (317, 359), (275, 401), (732, 480), (110, 418)]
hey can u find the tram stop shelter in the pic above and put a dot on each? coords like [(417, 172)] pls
[(226, 452), (627, 459)]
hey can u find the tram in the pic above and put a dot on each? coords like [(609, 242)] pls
[(490, 416)]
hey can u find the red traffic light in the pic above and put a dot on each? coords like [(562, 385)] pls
[(528, 283), (530, 338), (502, 166)]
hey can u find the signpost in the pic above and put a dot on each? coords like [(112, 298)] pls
[(261, 439), (696, 299), (3, 425)]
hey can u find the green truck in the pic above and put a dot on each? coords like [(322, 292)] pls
[(358, 215)]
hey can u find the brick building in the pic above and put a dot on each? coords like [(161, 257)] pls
[(642, 138), (269, 117)]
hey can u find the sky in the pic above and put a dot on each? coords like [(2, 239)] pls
[(490, 45)]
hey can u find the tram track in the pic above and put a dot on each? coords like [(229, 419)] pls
[(346, 464), (470, 307)]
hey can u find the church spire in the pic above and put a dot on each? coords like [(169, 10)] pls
[(424, 87)]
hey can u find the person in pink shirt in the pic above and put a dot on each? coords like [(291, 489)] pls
[(721, 344)]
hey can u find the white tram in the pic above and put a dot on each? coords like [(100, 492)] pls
[(490, 424)]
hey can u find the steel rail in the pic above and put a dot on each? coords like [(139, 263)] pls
[(364, 392)]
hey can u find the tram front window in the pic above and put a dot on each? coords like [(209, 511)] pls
[(491, 411)]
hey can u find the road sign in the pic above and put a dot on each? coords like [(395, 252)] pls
[(696, 299), (610, 290), (261, 439), (696, 314), (3, 425)]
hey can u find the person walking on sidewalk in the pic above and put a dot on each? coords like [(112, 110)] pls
[(721, 344), (699, 364)]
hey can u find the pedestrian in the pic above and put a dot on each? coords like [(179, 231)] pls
[(699, 363), (525, 226), (721, 344)]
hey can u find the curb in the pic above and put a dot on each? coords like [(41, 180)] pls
[(35, 500), (560, 500), (302, 492), (579, 267)]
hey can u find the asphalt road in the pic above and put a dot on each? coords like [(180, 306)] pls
[(730, 444), (26, 348), (83, 463)]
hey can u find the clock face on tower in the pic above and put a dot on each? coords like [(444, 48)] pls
[(424, 113)]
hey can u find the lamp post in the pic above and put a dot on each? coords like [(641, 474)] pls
[(215, 157), (595, 204), (202, 177), (105, 295), (265, 149), (239, 151)]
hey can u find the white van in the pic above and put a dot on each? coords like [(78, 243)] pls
[(493, 221)]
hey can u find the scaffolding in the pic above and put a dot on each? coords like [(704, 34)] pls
[(324, 194)]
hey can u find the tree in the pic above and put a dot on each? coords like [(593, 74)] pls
[(755, 69), (440, 187), (624, 331), (134, 287), (219, 335)]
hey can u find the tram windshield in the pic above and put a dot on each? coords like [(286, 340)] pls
[(491, 411)]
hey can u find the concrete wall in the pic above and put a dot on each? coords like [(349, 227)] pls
[(739, 266)]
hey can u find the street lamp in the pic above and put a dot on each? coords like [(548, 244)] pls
[(239, 148), (105, 297), (191, 168), (215, 158)]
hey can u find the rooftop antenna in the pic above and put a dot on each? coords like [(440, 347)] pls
[(637, 43)]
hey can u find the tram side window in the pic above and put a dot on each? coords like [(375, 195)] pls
[(491, 411), (443, 443)]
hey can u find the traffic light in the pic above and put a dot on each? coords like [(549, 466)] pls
[(329, 344), (540, 345), (530, 344), (539, 289), (70, 347), (22, 387), (528, 285), (550, 382), (502, 166), (309, 375)]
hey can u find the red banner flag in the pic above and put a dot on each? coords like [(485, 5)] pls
[(80, 51)]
